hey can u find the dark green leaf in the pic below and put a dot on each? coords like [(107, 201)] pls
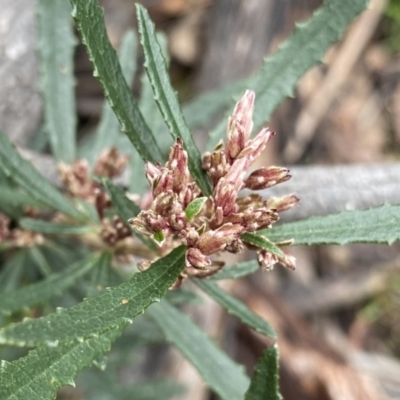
[(237, 270), (166, 97), (36, 255), (194, 207), (236, 308), (41, 292), (108, 310), (376, 225), (89, 19), (45, 370), (56, 49), (55, 228), (263, 243), (219, 372), (11, 272), (265, 381), (108, 130), (23, 173)]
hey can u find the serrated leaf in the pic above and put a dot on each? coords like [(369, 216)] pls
[(108, 130), (236, 308), (150, 112), (56, 49), (89, 19), (194, 207), (265, 381), (262, 242), (23, 173), (41, 292), (45, 370), (236, 271), (280, 73), (376, 225), (106, 311), (166, 97), (219, 372), (55, 228)]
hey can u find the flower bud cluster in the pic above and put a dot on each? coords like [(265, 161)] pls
[(225, 216)]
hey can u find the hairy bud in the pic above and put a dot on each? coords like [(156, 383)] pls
[(264, 178)]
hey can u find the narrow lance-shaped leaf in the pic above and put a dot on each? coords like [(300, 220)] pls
[(108, 130), (219, 372), (36, 256), (236, 308), (55, 228), (263, 243), (280, 73), (13, 201), (236, 271), (41, 292), (152, 114), (376, 225), (265, 381), (56, 49), (89, 19), (23, 173), (45, 370), (11, 271), (166, 97), (95, 315)]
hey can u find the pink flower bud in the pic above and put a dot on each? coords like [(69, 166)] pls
[(211, 242), (196, 259), (264, 178), (282, 203), (288, 261), (255, 146), (178, 165), (153, 172), (266, 260), (240, 125)]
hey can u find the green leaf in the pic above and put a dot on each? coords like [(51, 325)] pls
[(13, 201), (56, 49), (55, 228), (166, 98), (262, 242), (23, 173), (108, 129), (39, 293), (45, 370), (124, 207), (194, 207), (95, 315), (236, 271), (219, 372), (265, 381), (152, 114), (11, 272), (36, 256), (236, 308), (376, 225), (89, 19), (280, 73), (102, 275)]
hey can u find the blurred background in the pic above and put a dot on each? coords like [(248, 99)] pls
[(337, 315)]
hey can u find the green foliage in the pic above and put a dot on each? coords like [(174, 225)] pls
[(219, 372), (376, 225), (166, 98), (96, 315), (54, 228), (237, 270), (265, 382), (41, 292), (237, 308), (56, 47), (89, 19), (258, 240), (54, 367), (22, 173)]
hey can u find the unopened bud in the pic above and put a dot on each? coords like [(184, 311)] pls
[(264, 178), (196, 259), (282, 203), (255, 146), (266, 260), (178, 165)]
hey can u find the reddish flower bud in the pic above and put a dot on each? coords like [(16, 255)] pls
[(264, 178), (288, 261), (153, 172), (235, 247), (178, 165), (240, 125), (282, 203), (196, 259), (255, 146), (111, 163), (266, 260)]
